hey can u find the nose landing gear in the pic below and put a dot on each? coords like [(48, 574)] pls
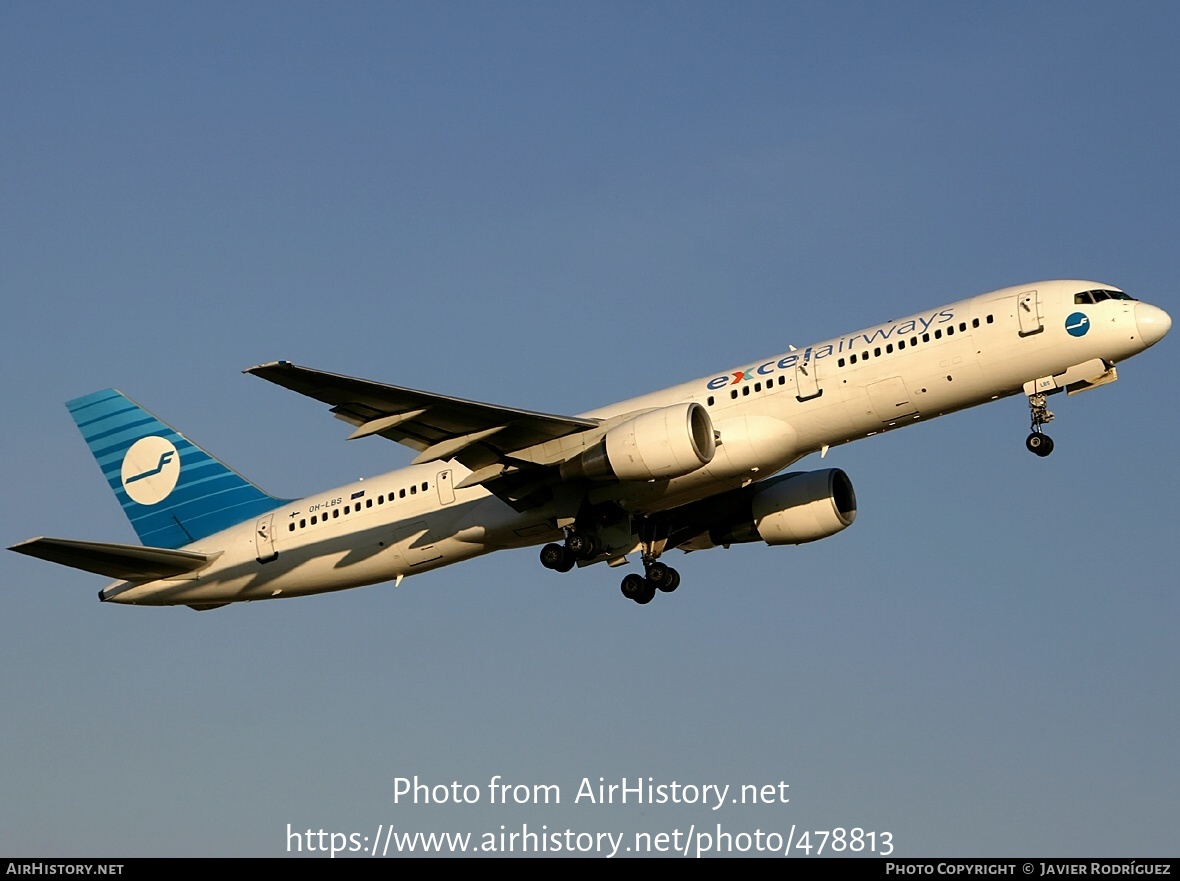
[(1037, 442)]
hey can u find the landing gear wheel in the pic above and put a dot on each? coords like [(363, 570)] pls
[(582, 546), (557, 558), (663, 577), (1040, 444), (552, 556), (635, 587)]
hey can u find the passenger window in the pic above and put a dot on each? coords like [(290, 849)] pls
[(950, 331), (975, 322), (413, 490), (938, 334)]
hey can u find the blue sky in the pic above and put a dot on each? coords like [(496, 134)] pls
[(554, 206)]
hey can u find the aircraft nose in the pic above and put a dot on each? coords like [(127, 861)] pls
[(1153, 323)]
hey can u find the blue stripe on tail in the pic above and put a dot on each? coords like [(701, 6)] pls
[(172, 491)]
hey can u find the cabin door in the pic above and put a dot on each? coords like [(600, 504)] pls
[(806, 381), (1028, 308), (446, 487), (264, 538)]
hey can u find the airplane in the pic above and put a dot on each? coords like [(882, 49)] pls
[(693, 467)]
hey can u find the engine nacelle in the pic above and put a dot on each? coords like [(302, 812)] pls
[(793, 509), (665, 443), (804, 507)]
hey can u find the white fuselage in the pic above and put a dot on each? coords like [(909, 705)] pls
[(767, 414)]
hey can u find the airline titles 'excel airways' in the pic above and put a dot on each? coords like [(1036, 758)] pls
[(690, 467)]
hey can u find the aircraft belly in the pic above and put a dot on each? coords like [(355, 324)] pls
[(830, 421), (953, 387), (749, 444)]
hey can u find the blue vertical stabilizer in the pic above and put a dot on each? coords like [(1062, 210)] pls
[(172, 491)]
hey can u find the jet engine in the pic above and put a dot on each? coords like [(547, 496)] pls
[(665, 443), (789, 510)]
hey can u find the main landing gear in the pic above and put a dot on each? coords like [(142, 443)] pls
[(643, 590), (562, 558), (558, 558), (585, 545), (1037, 442)]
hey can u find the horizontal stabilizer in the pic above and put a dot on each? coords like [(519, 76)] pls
[(128, 562)]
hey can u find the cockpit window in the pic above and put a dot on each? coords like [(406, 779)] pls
[(1098, 296)]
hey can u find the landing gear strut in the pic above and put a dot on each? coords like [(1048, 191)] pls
[(1037, 442)]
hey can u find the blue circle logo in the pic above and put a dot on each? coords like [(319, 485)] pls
[(1077, 324)]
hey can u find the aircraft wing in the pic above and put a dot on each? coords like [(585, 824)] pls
[(481, 436)]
